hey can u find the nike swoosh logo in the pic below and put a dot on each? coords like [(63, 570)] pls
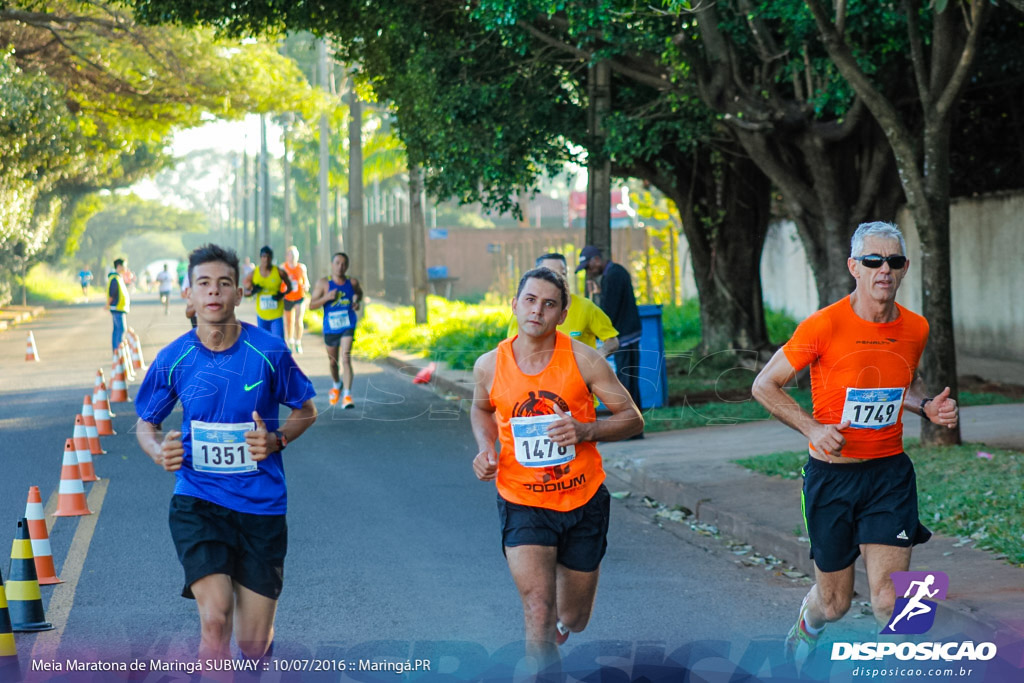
[(250, 387)]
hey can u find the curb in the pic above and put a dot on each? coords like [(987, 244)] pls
[(13, 315)]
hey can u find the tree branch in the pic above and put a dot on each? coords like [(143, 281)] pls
[(951, 93), (917, 56)]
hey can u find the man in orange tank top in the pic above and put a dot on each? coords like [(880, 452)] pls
[(295, 298), (534, 395), (860, 492)]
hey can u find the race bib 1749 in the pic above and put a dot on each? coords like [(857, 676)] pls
[(221, 448), (532, 445), (872, 408)]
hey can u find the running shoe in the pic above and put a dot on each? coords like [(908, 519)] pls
[(346, 402), (298, 346), (561, 633), (800, 643), (333, 396)]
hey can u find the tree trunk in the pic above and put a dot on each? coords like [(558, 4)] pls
[(417, 244), (599, 170)]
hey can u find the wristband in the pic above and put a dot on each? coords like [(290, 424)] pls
[(924, 402), (282, 440)]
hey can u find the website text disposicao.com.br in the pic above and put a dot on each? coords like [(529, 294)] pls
[(905, 672)]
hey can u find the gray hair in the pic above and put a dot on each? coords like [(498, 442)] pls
[(875, 229)]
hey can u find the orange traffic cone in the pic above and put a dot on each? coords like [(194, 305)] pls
[(71, 498), (100, 379), (425, 375), (89, 416), (104, 427), (138, 360), (126, 359), (40, 538), (82, 452), (31, 352), (9, 667), (118, 386), (23, 598)]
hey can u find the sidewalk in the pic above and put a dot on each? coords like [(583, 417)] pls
[(692, 468), (12, 315)]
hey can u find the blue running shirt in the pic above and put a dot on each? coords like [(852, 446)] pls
[(257, 373), (338, 315)]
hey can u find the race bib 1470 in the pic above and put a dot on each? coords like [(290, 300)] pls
[(221, 448), (872, 408), (532, 445)]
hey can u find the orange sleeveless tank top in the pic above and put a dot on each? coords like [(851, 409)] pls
[(298, 286), (514, 394)]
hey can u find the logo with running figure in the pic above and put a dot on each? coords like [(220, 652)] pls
[(914, 613), (542, 403)]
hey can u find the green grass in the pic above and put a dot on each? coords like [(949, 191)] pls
[(970, 398), (959, 493), (710, 414), (48, 285)]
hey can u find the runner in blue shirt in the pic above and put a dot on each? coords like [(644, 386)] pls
[(227, 513)]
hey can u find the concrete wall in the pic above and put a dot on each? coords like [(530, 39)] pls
[(987, 246)]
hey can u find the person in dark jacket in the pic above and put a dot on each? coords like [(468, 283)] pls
[(615, 296)]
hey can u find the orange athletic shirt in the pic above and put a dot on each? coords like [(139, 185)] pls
[(298, 286), (846, 351), (516, 394)]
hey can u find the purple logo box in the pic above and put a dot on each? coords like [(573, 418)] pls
[(901, 582), (916, 592)]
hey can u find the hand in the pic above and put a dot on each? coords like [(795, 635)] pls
[(172, 452), (566, 431), (942, 410), (259, 440), (592, 287), (278, 296), (485, 464), (827, 440)]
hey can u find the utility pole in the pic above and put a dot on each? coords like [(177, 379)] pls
[(417, 243), (286, 215), (245, 202), (599, 166), (356, 212), (264, 181)]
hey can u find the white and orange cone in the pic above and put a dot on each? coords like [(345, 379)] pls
[(40, 538), (100, 379), (104, 427), (126, 359), (31, 352), (89, 416), (82, 452), (138, 360), (71, 494), (118, 386)]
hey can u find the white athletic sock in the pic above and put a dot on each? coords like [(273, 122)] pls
[(346, 392), (337, 385), (811, 630)]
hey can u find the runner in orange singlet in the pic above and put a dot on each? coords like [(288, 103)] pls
[(860, 492), (294, 300), (534, 394)]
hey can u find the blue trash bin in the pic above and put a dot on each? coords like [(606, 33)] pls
[(653, 374)]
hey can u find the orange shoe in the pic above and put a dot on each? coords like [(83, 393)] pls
[(333, 396), (347, 402)]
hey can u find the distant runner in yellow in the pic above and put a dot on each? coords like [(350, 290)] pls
[(265, 283)]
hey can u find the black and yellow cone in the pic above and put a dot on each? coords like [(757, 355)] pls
[(9, 669), (24, 602)]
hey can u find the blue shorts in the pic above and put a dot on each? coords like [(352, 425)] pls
[(275, 326), (581, 535), (848, 505)]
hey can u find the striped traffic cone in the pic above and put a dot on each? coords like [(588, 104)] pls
[(41, 551), (100, 379), (138, 360), (82, 452), (118, 386), (31, 352), (71, 498), (23, 598), (126, 359), (104, 427), (9, 668), (89, 416)]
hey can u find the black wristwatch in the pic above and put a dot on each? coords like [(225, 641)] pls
[(924, 402), (282, 440)]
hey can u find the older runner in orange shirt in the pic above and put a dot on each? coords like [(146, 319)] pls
[(295, 299), (534, 394), (860, 492)]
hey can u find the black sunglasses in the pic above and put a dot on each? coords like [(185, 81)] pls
[(896, 262)]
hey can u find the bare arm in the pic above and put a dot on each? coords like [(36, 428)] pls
[(941, 409), (768, 390), (481, 416), (165, 450), (609, 346), (262, 443), (357, 295), (320, 295), (625, 420)]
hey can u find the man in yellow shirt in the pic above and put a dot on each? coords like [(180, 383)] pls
[(268, 283), (585, 322)]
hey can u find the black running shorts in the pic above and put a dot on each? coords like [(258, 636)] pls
[(335, 339), (212, 539), (845, 506), (289, 304), (581, 535)]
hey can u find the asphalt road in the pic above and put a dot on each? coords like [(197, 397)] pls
[(394, 549)]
